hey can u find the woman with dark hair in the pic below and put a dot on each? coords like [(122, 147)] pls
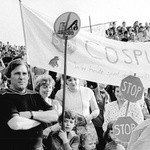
[(116, 109)]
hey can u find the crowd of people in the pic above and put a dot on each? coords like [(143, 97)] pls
[(32, 120), (32, 104), (137, 32)]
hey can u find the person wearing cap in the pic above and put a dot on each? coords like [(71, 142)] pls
[(22, 112)]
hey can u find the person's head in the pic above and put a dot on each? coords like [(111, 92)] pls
[(132, 36), (44, 84), (21, 56), (148, 28), (72, 83), (136, 23), (146, 24), (136, 28), (17, 73), (91, 85), (126, 33), (88, 140), (101, 86), (141, 29), (69, 120), (118, 94), (108, 135), (140, 24), (114, 24), (123, 24)]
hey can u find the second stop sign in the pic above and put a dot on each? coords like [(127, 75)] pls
[(132, 88)]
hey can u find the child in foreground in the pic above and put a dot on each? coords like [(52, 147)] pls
[(88, 141), (67, 139), (112, 141)]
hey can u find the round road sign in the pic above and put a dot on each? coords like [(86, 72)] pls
[(67, 24), (132, 88)]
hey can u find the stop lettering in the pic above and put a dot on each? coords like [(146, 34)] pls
[(123, 128), (132, 88)]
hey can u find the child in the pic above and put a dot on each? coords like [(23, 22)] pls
[(67, 139), (112, 141), (88, 141)]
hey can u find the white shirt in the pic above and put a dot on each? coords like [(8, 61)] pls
[(79, 101)]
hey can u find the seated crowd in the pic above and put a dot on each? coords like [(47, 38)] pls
[(134, 33)]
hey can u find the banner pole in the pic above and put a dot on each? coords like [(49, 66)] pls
[(90, 24), (98, 24), (65, 68), (64, 84), (31, 75), (22, 22), (127, 109)]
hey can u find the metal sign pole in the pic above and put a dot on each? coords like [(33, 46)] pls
[(64, 84), (66, 27)]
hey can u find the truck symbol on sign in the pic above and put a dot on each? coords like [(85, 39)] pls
[(70, 30)]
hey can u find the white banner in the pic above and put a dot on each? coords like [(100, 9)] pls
[(89, 56), (97, 30)]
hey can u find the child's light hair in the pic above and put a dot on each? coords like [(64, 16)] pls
[(43, 79), (88, 136)]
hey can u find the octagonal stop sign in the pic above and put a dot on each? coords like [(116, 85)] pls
[(132, 88), (123, 128)]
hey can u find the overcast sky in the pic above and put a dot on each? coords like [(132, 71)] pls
[(100, 11)]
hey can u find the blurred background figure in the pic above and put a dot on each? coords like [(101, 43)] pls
[(102, 98)]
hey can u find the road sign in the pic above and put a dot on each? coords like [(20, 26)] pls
[(132, 88), (123, 128), (67, 24)]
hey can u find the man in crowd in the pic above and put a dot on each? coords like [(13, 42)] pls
[(22, 112)]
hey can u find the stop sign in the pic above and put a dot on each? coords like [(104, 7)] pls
[(123, 128), (132, 88)]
